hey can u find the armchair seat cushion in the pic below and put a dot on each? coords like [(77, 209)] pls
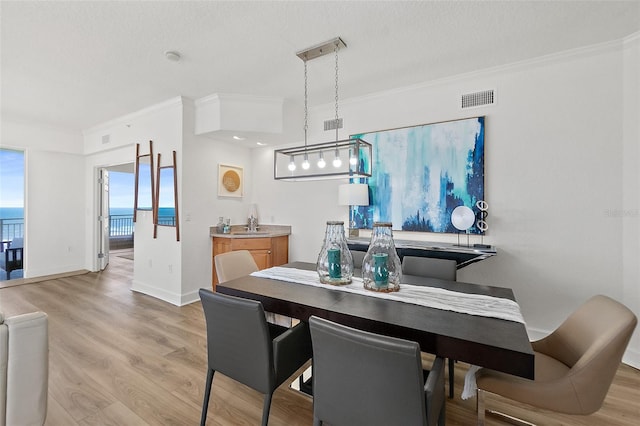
[(574, 365), (551, 387), (546, 369)]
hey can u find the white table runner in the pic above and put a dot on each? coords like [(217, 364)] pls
[(431, 297)]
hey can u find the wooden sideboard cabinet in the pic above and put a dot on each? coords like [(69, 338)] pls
[(266, 251)]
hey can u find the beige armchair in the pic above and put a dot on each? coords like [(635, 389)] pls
[(24, 369), (234, 264), (240, 263), (574, 365)]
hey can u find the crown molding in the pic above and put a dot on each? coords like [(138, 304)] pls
[(488, 72), (170, 103), (635, 37)]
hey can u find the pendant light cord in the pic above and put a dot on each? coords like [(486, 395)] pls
[(306, 110), (336, 54)]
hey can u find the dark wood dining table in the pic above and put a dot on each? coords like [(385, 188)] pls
[(483, 341)]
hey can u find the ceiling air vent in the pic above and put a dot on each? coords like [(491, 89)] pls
[(478, 99)]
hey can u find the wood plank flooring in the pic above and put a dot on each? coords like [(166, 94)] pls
[(122, 358)]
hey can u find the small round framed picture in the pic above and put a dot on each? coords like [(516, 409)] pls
[(230, 181)]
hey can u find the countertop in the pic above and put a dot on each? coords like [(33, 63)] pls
[(264, 231), (463, 255), (429, 245)]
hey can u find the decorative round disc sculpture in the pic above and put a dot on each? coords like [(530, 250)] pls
[(231, 181), (462, 218)]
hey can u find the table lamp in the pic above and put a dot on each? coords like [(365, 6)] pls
[(353, 194)]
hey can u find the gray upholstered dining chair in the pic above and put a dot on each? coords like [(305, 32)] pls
[(358, 257), (443, 269), (243, 346), (361, 378), (574, 365)]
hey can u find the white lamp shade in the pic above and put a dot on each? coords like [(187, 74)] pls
[(353, 194)]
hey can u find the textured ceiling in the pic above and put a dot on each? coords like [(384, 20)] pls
[(78, 64)]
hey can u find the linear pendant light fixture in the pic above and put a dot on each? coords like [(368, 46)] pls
[(347, 158)]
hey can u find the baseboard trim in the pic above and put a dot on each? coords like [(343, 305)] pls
[(33, 280), (164, 295)]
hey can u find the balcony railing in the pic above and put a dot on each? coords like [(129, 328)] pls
[(10, 229), (120, 226)]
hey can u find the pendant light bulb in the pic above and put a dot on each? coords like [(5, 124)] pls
[(305, 163), (337, 162), (321, 162), (292, 164), (353, 160)]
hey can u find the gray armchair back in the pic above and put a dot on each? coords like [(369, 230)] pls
[(361, 378), (444, 269), (243, 346)]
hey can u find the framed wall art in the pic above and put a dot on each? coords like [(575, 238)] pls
[(420, 174), (230, 181)]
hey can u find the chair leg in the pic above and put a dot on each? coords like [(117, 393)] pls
[(207, 394), (451, 377), (480, 406), (266, 408), (502, 416)]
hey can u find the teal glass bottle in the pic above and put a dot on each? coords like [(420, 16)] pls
[(335, 263), (381, 268)]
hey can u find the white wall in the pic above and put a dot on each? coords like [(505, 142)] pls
[(201, 205), (554, 165), (54, 213), (157, 262), (54, 202), (631, 182), (164, 268)]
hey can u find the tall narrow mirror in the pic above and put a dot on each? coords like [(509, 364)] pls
[(144, 190), (166, 212)]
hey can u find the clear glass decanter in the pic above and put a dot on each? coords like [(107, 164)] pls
[(220, 225), (381, 267), (335, 263)]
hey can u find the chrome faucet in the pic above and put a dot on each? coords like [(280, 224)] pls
[(253, 218)]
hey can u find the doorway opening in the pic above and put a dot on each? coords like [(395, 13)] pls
[(117, 203)]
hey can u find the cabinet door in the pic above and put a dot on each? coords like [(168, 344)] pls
[(220, 245), (280, 250), (262, 258)]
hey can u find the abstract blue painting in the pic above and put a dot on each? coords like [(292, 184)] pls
[(421, 173)]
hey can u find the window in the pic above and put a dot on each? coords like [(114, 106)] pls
[(11, 209)]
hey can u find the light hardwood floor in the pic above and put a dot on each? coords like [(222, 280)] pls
[(123, 358)]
